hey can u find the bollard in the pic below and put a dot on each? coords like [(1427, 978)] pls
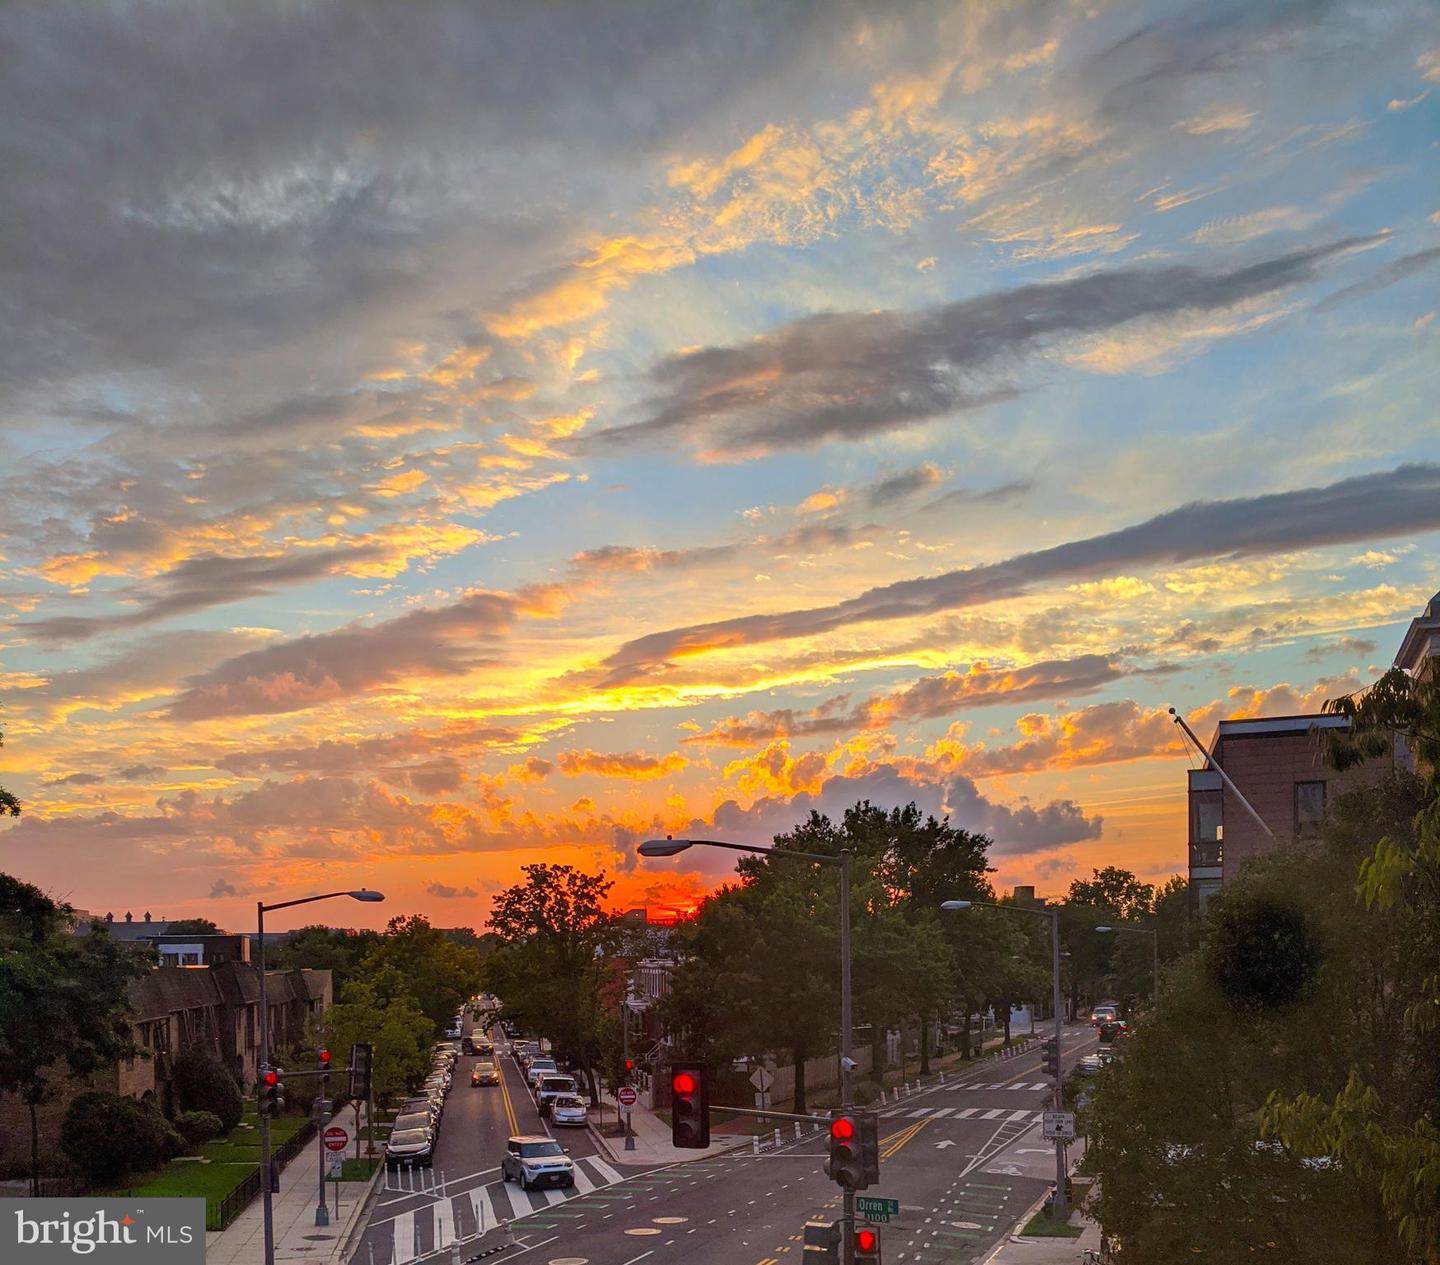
[(755, 1144), (372, 1252), (455, 1254), (797, 1131), (942, 1078), (417, 1239), (882, 1097), (777, 1135)]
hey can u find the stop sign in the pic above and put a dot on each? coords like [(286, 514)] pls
[(626, 1097), (336, 1138)]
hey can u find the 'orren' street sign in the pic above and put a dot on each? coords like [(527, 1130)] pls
[(877, 1209), (626, 1096), (336, 1138), (1057, 1125)]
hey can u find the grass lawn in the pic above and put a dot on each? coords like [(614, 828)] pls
[(358, 1170), (1042, 1226)]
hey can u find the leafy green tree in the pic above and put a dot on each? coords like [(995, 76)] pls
[(1288, 1039), (192, 927), (441, 974), (203, 1083), (9, 805), (63, 1000), (379, 1008), (334, 949), (108, 1136), (551, 970)]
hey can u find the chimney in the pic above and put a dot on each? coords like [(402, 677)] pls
[(129, 917)]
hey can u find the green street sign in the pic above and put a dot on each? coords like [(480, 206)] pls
[(881, 1209)]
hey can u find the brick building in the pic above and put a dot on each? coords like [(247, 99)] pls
[(1277, 765)]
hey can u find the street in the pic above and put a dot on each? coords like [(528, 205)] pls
[(964, 1159)]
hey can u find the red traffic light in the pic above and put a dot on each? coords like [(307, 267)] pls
[(272, 1077), (684, 1083), (842, 1129), (629, 1065), (866, 1240), (325, 1057)]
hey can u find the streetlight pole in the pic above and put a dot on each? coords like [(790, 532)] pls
[(266, 1169), (670, 847), (1154, 935), (1061, 1204)]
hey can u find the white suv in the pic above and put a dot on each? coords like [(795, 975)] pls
[(535, 1160)]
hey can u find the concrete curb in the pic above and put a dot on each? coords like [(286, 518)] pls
[(362, 1217), (604, 1144)]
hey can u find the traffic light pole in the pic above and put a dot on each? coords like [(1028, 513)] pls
[(268, 1211), (847, 1080), (1061, 1204)]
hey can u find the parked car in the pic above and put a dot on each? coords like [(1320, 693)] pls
[(410, 1148), (1090, 1065), (568, 1109), (551, 1087), (535, 1160), (425, 1103), (542, 1065), (1112, 1029), (484, 1074), (409, 1120)]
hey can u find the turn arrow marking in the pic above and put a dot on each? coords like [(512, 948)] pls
[(940, 1146)]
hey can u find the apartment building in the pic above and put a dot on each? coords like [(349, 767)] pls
[(1276, 764)]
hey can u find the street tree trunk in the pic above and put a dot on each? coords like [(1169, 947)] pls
[(798, 1054), (924, 1045), (34, 1148), (877, 1053), (1007, 1023)]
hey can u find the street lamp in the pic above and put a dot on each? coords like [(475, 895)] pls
[(669, 847), (322, 1217), (1059, 1095), (1154, 953)]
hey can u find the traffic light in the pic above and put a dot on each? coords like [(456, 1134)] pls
[(689, 1106), (360, 1071), (629, 1066), (869, 1150), (272, 1091), (322, 1057), (845, 1165), (867, 1245), (1050, 1057)]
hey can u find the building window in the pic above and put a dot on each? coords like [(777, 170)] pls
[(1309, 809)]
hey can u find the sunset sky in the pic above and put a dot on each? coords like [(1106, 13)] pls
[(442, 437)]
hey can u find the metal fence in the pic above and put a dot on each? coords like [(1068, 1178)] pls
[(220, 1214)]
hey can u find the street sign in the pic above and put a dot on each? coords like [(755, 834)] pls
[(1058, 1125), (877, 1209), (626, 1097), (337, 1138), (762, 1079), (337, 1164)]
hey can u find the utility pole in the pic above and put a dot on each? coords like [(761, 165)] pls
[(847, 1080), (1061, 1202), (266, 1175)]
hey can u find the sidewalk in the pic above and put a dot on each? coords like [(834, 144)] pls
[(1019, 1250), (297, 1237), (652, 1141)]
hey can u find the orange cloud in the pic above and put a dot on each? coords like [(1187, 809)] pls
[(622, 764)]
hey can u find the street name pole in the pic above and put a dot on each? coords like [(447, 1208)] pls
[(847, 1096), (1061, 1204)]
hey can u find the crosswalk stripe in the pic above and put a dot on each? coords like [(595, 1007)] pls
[(992, 1113), (605, 1171), (944, 1111), (482, 1209), (1019, 1085), (966, 1113), (583, 1184), (915, 1115), (1020, 1115), (404, 1231)]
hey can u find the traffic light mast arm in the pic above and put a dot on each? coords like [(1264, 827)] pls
[(770, 1115)]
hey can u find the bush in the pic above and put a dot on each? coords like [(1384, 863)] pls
[(202, 1083), (107, 1136), (866, 1092), (198, 1127)]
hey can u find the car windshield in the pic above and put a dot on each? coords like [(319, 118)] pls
[(542, 1065), (410, 1120), (484, 1068), (409, 1137), (557, 1084), (537, 1150), (568, 1101)]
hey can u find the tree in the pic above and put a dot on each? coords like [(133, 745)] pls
[(1289, 1037), (1116, 892), (9, 805), (203, 1083), (108, 1136), (334, 949), (551, 969), (379, 1008), (440, 974), (62, 999), (192, 927)]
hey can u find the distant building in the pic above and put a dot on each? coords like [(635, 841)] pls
[(1277, 765)]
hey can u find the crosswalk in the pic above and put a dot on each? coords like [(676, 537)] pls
[(1014, 1085), (435, 1226), (965, 1113)]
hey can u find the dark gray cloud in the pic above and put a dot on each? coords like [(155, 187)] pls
[(811, 538), (74, 779), (905, 483), (855, 374), (1396, 271), (1400, 502), (445, 892), (199, 583), (1356, 647), (139, 772), (293, 675), (1017, 828), (959, 497)]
